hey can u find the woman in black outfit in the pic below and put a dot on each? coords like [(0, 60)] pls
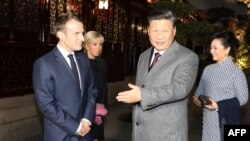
[(93, 47)]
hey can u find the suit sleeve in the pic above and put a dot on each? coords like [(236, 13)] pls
[(91, 96), (200, 88), (183, 79), (104, 88), (44, 92)]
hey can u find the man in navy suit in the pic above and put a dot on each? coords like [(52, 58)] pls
[(67, 101)]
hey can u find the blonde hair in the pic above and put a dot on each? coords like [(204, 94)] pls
[(90, 37)]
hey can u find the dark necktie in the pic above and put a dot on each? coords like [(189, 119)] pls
[(157, 55), (73, 67)]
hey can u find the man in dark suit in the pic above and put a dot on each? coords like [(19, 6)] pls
[(66, 99), (165, 75)]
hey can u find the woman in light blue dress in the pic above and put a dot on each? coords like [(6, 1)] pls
[(226, 86)]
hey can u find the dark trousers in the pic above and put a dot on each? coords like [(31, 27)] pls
[(98, 131)]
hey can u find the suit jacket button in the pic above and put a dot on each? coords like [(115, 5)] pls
[(143, 86), (137, 123)]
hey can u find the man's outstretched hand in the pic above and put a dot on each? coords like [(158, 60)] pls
[(130, 96)]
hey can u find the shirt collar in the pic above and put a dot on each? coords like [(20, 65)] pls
[(161, 52), (64, 52)]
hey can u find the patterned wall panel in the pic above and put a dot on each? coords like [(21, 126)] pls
[(4, 14), (16, 61), (26, 15)]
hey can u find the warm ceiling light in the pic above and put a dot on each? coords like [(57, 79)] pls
[(149, 1), (103, 4)]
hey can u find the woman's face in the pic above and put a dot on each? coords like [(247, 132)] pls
[(218, 51), (94, 49)]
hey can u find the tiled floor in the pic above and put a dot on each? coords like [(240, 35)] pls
[(118, 122)]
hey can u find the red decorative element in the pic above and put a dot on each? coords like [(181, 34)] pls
[(103, 14), (42, 2), (96, 9), (110, 9), (76, 5)]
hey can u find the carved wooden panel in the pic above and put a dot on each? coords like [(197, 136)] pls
[(16, 61), (26, 15), (19, 20), (5, 14)]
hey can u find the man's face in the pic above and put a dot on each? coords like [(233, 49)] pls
[(72, 36), (161, 33)]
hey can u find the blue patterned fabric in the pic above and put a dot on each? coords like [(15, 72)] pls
[(220, 81)]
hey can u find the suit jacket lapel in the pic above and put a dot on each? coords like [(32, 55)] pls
[(170, 52), (150, 58), (142, 72), (81, 63), (62, 61)]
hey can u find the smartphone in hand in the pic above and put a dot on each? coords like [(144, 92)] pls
[(204, 100)]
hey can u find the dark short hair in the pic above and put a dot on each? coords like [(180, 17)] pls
[(161, 14), (228, 39), (63, 19)]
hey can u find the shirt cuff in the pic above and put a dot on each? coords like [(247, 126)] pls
[(79, 127)]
